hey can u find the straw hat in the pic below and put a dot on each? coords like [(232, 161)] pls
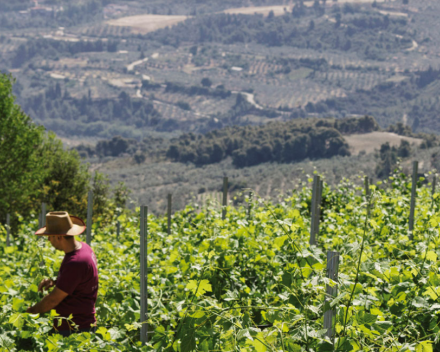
[(62, 224)]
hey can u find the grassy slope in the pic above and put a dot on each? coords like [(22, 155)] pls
[(151, 182)]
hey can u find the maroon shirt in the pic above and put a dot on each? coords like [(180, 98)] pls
[(78, 277)]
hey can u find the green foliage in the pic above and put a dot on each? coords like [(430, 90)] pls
[(389, 101), (249, 282), (355, 35), (37, 168), (388, 158), (276, 142), (197, 90), (89, 117), (67, 180), (53, 49), (23, 158)]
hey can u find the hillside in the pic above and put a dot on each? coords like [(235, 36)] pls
[(322, 59)]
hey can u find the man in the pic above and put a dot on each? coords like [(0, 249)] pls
[(76, 287)]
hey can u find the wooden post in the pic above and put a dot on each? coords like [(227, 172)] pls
[(434, 184), (250, 205), (169, 213), (413, 199), (318, 208), (315, 198), (118, 228), (89, 218), (42, 218), (331, 292), (8, 230), (367, 187), (225, 197), (144, 271), (42, 224)]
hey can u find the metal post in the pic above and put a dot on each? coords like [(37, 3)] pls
[(89, 218), (143, 278), (118, 229), (367, 193), (315, 197), (331, 292), (434, 184), (413, 199), (250, 205), (225, 197), (169, 213), (8, 230)]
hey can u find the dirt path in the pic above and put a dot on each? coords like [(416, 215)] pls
[(136, 63), (250, 99), (415, 45)]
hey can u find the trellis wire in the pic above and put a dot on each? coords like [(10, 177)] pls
[(144, 270), (413, 199), (89, 217)]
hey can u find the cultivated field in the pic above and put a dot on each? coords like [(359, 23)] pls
[(368, 142), (147, 23)]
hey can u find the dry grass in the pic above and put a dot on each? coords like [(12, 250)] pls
[(147, 23), (264, 10), (279, 10), (370, 141)]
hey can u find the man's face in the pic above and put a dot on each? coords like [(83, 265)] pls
[(55, 241)]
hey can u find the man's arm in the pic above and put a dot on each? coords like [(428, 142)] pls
[(46, 284), (49, 302)]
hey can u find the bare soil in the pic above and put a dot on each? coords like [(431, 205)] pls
[(147, 23), (371, 141)]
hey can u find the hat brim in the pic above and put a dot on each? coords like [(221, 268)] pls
[(77, 229)]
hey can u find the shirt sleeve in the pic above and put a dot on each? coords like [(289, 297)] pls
[(69, 278)]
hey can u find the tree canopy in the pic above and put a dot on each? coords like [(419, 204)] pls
[(37, 168)]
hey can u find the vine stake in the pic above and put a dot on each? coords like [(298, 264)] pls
[(89, 218), (144, 270), (225, 197), (314, 228), (413, 199), (331, 292)]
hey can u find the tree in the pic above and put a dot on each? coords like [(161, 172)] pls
[(35, 167), (66, 182), (206, 82), (23, 167)]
